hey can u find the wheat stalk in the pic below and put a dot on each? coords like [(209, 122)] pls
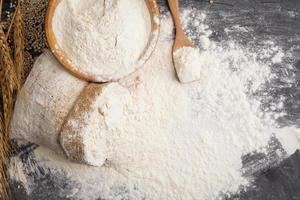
[(1, 125), (4, 145), (6, 90), (1, 2), (7, 107), (18, 39), (8, 79), (9, 82), (10, 25), (3, 154), (7, 71)]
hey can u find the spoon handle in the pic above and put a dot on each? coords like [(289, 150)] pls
[(174, 7)]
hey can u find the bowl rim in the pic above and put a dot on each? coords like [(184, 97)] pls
[(78, 71)]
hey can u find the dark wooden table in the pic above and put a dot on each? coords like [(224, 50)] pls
[(276, 20)]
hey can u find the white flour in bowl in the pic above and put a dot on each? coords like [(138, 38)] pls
[(103, 38)]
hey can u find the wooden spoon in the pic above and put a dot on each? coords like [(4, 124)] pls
[(80, 72), (181, 40), (185, 62)]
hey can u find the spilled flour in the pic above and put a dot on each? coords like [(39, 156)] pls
[(178, 141), (103, 38)]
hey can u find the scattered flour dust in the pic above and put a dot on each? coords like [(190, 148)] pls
[(179, 141), (100, 37)]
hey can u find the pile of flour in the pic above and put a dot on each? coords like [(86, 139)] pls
[(179, 141), (103, 38)]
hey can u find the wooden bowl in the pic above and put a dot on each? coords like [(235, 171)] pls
[(79, 72)]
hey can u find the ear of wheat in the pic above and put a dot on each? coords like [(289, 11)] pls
[(7, 70), (10, 80), (18, 39), (7, 80)]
